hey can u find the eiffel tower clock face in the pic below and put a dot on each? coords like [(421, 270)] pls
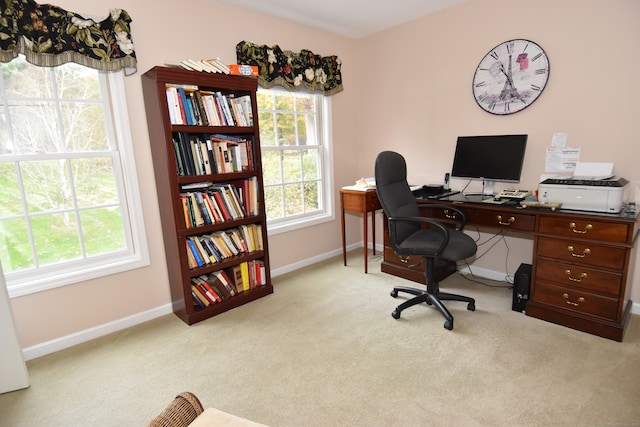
[(511, 77)]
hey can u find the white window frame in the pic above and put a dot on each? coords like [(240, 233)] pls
[(21, 283), (327, 211)]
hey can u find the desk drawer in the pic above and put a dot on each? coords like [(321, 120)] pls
[(372, 202), (513, 221), (579, 252), (413, 267), (577, 301), (578, 277), (484, 217), (586, 229), (407, 261)]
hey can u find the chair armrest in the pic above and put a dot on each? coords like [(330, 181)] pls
[(393, 221)]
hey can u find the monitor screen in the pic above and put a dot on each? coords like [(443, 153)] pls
[(493, 158)]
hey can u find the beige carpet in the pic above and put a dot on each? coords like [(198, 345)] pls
[(323, 350)]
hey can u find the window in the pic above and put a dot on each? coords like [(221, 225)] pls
[(70, 209), (296, 158)]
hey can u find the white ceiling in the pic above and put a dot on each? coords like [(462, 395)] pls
[(351, 18)]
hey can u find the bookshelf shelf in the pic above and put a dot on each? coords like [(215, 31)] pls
[(201, 171)]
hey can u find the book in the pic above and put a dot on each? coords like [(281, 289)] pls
[(221, 204), (245, 101), (187, 155), (197, 302), (195, 210), (224, 105), (186, 107), (235, 277), (221, 276), (210, 106), (220, 244), (247, 235), (207, 216), (261, 272), (244, 271), (237, 238), (203, 291), (218, 64), (202, 280), (191, 261), (204, 117), (204, 256), (191, 248), (200, 296), (173, 105), (243, 70), (213, 208)]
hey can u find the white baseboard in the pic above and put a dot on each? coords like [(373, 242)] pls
[(61, 343)]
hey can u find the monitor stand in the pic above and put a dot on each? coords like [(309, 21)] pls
[(488, 188)]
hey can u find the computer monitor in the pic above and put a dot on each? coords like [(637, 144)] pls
[(489, 158)]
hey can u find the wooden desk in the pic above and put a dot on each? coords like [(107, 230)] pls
[(581, 261), (360, 202)]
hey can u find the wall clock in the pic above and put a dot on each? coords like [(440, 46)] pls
[(511, 77)]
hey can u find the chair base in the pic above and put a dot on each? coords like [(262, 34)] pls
[(431, 298)]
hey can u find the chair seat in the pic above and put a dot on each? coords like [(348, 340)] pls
[(427, 242)]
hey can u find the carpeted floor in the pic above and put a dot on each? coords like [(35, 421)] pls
[(323, 350)]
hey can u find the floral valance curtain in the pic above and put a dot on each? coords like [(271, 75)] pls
[(277, 67), (48, 36)]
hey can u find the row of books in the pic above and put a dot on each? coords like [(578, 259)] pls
[(216, 203), (189, 105), (204, 154), (221, 285), (214, 65), (215, 247)]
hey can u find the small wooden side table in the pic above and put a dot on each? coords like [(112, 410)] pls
[(363, 202)]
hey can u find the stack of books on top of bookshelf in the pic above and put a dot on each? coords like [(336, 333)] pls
[(214, 65), (188, 105)]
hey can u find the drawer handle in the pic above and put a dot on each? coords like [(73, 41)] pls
[(449, 215), (573, 279), (586, 252), (586, 228), (405, 260), (511, 220), (575, 304)]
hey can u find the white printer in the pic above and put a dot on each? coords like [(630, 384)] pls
[(597, 195)]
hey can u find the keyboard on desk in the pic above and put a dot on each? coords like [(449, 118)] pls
[(446, 194)]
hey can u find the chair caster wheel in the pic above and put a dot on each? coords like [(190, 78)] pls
[(471, 306), (394, 294), (448, 324), (395, 314)]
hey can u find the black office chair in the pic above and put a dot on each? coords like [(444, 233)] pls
[(412, 234)]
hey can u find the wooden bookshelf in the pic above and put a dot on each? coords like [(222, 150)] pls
[(171, 181)]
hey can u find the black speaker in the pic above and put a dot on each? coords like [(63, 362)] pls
[(521, 287)]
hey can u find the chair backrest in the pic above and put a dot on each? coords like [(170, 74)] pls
[(394, 192)]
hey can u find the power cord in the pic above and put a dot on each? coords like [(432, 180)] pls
[(496, 238)]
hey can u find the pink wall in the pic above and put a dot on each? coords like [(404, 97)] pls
[(408, 89), (422, 73)]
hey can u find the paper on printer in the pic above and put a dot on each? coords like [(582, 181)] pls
[(593, 170)]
